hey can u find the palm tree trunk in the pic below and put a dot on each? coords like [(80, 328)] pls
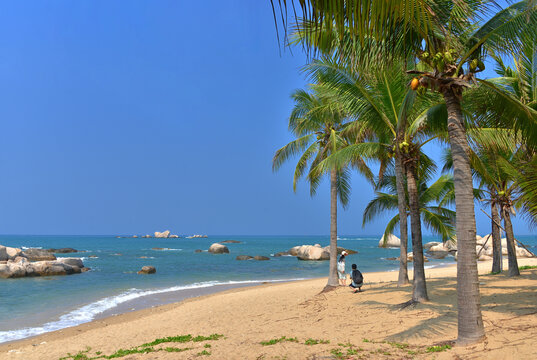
[(419, 287), (403, 227), (470, 321), (496, 238), (332, 272), (511, 251)]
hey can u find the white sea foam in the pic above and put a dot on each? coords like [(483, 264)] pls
[(89, 312)]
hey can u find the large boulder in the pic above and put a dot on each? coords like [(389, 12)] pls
[(38, 255), (309, 252), (391, 241), (163, 234), (147, 270), (217, 248)]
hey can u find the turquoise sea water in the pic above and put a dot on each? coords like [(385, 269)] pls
[(31, 306)]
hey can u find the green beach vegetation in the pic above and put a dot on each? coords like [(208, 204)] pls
[(402, 73)]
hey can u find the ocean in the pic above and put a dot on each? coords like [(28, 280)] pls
[(32, 306)]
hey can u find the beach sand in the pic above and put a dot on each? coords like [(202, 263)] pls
[(366, 325)]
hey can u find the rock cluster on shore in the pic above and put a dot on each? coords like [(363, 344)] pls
[(15, 263)]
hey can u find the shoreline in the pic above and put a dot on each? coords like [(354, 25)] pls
[(165, 296), (203, 321)]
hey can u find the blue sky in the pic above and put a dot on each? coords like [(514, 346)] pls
[(127, 117)]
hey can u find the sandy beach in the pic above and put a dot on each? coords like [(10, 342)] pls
[(304, 324)]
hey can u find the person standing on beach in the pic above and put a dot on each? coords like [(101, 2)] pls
[(341, 269)]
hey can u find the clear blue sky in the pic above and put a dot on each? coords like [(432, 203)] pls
[(126, 117)]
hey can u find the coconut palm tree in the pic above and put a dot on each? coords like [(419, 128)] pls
[(499, 169), (436, 218), (446, 36), (319, 124), (399, 121)]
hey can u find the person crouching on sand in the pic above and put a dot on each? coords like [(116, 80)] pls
[(357, 279), (341, 269)]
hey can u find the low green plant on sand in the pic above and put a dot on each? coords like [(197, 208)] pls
[(438, 348), (311, 341), (278, 340), (527, 267), (149, 347)]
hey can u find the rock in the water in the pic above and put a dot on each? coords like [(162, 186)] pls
[(157, 248), (198, 250), (217, 248), (147, 270), (134, 236), (63, 250), (294, 251), (174, 236), (391, 241), (38, 255), (259, 257), (93, 256), (339, 251), (392, 258), (309, 252), (163, 234), (146, 236), (282, 253), (243, 257), (21, 267), (71, 261), (230, 242), (428, 245), (410, 257)]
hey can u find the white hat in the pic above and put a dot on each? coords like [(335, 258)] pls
[(344, 253)]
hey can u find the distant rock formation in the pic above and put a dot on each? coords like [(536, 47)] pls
[(217, 248), (198, 250), (261, 258), (230, 242), (282, 253), (244, 257), (147, 270), (146, 236), (163, 234), (392, 241), (196, 236)]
